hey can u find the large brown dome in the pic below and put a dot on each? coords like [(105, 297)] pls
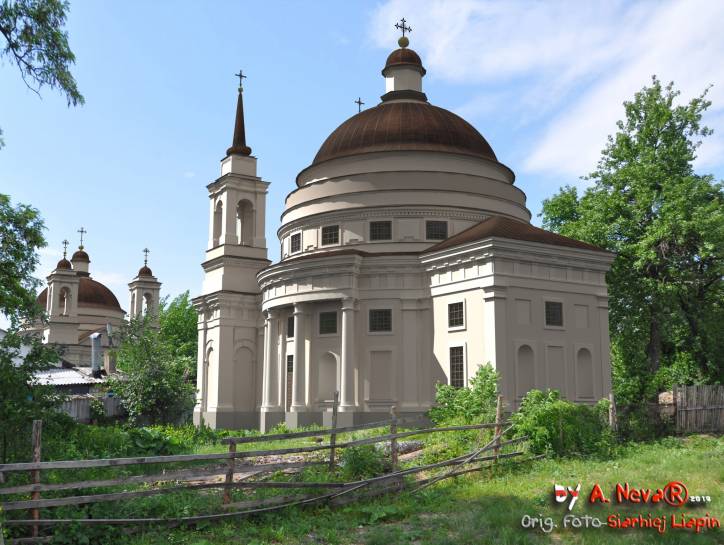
[(90, 294), (404, 126)]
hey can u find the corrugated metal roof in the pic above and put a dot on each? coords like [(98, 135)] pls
[(65, 377)]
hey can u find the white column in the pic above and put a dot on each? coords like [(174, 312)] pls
[(270, 341), (347, 382), (300, 364)]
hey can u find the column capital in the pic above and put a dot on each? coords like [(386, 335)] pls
[(349, 303), (271, 314), (300, 308)]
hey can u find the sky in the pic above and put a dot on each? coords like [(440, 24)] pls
[(544, 83)]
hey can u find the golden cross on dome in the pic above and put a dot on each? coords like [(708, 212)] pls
[(359, 104), (146, 251), (82, 232), (403, 27), (241, 77), (65, 248)]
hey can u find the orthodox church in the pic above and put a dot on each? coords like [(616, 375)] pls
[(407, 259), (83, 313)]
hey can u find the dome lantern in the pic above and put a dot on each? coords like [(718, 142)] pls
[(403, 71)]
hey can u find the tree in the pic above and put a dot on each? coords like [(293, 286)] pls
[(666, 225), (22, 356), (154, 386), (36, 43), (178, 322)]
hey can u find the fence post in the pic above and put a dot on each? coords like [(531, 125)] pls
[(612, 412), (333, 436), (498, 426), (35, 474), (393, 441), (230, 473)]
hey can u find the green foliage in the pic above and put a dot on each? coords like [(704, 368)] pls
[(666, 225), (36, 43), (557, 426), (178, 324), (22, 356), (467, 405), (154, 387), (362, 462)]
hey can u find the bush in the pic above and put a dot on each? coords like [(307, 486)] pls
[(467, 405), (362, 462), (557, 426)]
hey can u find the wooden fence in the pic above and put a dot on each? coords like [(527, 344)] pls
[(699, 409), (238, 471)]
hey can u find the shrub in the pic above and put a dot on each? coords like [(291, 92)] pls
[(467, 405), (362, 462), (554, 425)]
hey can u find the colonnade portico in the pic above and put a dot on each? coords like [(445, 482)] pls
[(305, 407)]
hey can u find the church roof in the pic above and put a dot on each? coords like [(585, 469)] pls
[(90, 294), (404, 126), (501, 227)]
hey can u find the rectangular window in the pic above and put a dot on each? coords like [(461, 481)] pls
[(380, 230), (290, 327), (455, 315), (295, 243), (330, 235), (327, 323), (457, 367), (554, 313), (436, 230), (290, 364), (380, 320)]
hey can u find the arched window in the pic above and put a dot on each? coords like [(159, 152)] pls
[(584, 374), (218, 218), (147, 303), (64, 301), (525, 371), (245, 223)]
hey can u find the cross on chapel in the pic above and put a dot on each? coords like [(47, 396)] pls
[(146, 251), (403, 27), (65, 248), (359, 104), (82, 232), (241, 77)]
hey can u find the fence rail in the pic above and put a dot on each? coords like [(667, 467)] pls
[(228, 474)]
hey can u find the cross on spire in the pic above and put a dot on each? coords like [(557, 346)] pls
[(65, 248), (82, 232), (241, 77), (359, 104), (146, 251), (403, 27)]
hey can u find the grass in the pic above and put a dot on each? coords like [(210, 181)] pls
[(481, 509)]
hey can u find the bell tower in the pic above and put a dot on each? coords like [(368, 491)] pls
[(62, 302), (229, 360), (145, 292)]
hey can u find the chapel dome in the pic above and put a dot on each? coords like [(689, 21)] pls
[(64, 264), (90, 294), (404, 56), (80, 255), (404, 126), (145, 271)]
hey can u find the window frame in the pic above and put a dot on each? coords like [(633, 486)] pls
[(379, 331), (427, 227), (338, 232), (545, 314), (291, 242), (319, 323), (369, 231), (465, 321), (290, 363), (462, 364)]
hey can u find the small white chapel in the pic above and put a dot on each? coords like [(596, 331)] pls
[(407, 259)]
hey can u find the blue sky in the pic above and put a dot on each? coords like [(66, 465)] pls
[(542, 81)]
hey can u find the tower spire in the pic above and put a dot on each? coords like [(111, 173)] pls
[(238, 145)]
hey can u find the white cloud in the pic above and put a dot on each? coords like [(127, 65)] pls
[(565, 66), (189, 174)]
